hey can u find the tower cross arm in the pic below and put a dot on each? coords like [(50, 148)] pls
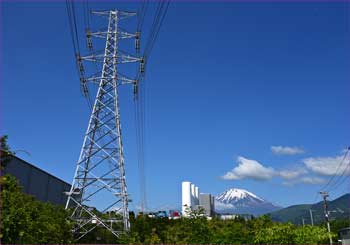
[(121, 58), (122, 79), (121, 14), (121, 34)]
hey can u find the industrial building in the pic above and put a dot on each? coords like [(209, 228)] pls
[(192, 200), (345, 235), (206, 201), (189, 198), (36, 182)]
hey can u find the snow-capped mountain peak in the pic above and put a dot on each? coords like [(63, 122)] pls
[(234, 194), (242, 201)]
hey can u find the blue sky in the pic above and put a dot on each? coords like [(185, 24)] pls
[(225, 83)]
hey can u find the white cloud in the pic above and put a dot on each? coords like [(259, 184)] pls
[(249, 169), (328, 165), (286, 150), (313, 180), (305, 180), (292, 174)]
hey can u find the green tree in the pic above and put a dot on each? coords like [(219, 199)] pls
[(276, 234), (288, 233), (5, 152), (153, 238), (311, 235), (26, 220), (229, 231)]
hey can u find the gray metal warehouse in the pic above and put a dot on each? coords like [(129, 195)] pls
[(37, 182)]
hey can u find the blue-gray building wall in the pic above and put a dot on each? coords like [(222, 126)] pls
[(42, 185), (206, 201)]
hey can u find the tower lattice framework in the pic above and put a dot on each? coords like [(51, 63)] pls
[(98, 196)]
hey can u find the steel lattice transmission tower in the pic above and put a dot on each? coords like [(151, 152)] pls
[(98, 196)]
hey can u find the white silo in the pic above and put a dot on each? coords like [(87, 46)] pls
[(193, 194), (196, 192), (186, 196)]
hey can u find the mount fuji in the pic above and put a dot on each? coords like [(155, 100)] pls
[(240, 201)]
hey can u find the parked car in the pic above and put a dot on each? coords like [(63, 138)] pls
[(162, 214), (174, 214)]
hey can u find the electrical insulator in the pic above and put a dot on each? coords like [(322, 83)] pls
[(137, 41), (136, 88), (76, 191), (88, 39), (89, 43), (83, 85), (142, 65), (80, 64)]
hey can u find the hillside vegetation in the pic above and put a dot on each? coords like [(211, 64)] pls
[(339, 208)]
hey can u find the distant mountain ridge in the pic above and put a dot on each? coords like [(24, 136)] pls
[(338, 208), (240, 201)]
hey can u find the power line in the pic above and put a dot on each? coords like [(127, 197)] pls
[(71, 27), (75, 26), (336, 171), (329, 183), (341, 180), (157, 31), (333, 176), (141, 100), (142, 14), (157, 22), (156, 26)]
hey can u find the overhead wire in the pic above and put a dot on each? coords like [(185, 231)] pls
[(70, 7), (75, 25), (142, 13), (342, 182), (87, 28), (330, 184), (140, 151), (162, 14), (153, 27), (342, 177), (140, 103), (71, 28), (139, 119)]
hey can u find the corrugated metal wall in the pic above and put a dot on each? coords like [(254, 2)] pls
[(42, 185)]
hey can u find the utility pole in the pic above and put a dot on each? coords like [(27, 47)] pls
[(311, 217), (326, 214), (98, 197), (303, 221)]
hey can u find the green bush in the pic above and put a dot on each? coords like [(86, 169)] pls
[(26, 220)]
